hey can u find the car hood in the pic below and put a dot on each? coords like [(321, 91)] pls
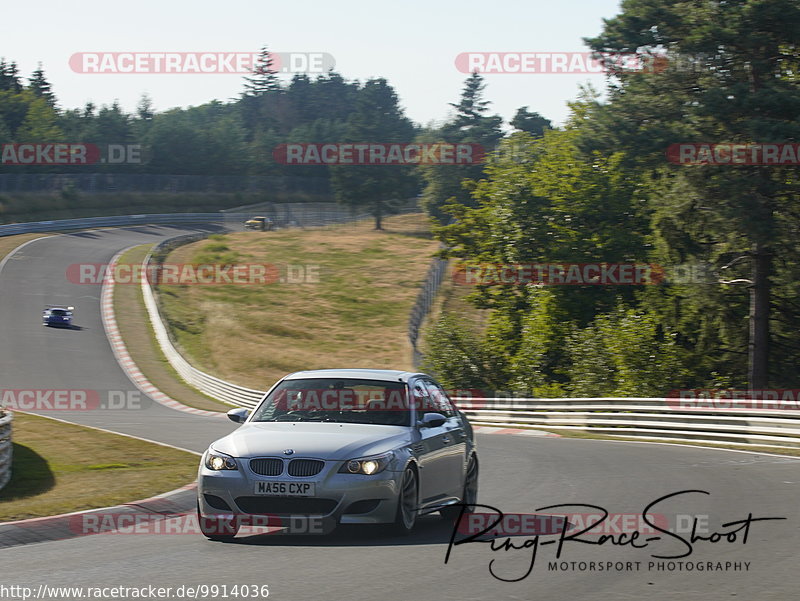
[(320, 440)]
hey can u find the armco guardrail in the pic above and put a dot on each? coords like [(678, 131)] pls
[(633, 417), (116, 221), (5, 448), (641, 418), (284, 215), (96, 183), (208, 384)]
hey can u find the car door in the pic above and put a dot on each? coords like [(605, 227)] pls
[(431, 448), (454, 441)]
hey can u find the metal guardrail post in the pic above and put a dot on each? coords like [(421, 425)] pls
[(423, 304), (6, 446)]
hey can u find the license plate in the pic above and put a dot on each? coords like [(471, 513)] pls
[(285, 489)]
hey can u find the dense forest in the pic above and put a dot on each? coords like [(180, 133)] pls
[(599, 189), (241, 137)]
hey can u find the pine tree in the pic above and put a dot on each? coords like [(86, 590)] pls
[(472, 106), (9, 77), (264, 79), (533, 123), (729, 77), (145, 108), (470, 125), (378, 118), (39, 85)]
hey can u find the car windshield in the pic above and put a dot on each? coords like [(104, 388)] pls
[(59, 312), (344, 400)]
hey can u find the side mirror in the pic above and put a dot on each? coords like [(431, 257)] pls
[(238, 415), (432, 420)]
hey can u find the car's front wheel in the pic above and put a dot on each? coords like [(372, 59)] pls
[(407, 503), (217, 528)]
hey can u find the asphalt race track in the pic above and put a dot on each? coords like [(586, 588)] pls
[(519, 474), (39, 358)]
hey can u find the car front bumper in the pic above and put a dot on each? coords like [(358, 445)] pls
[(54, 322), (339, 498)]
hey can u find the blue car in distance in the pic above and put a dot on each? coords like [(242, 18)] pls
[(57, 316)]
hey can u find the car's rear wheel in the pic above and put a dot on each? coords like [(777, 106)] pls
[(470, 495), (217, 528)]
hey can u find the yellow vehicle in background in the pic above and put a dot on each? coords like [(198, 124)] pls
[(262, 224)]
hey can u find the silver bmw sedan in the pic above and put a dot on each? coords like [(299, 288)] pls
[(340, 446)]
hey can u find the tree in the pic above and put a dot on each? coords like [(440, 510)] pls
[(469, 125), (9, 77), (5, 135), (176, 146), (40, 87), (14, 108), (728, 78), (111, 125), (546, 202), (40, 124), (378, 118), (144, 110), (471, 107), (533, 123), (264, 77)]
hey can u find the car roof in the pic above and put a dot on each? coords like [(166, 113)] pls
[(59, 307), (391, 375)]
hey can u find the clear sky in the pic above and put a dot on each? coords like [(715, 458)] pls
[(413, 44)]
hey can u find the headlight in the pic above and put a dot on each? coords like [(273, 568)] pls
[(367, 465), (219, 461)]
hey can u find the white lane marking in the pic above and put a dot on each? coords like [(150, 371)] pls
[(17, 249), (691, 446), (64, 421), (120, 351)]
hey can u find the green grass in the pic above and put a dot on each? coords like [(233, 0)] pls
[(55, 469), (356, 314)]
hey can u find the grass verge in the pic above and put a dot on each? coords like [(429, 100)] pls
[(355, 314), (57, 469), (137, 333)]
